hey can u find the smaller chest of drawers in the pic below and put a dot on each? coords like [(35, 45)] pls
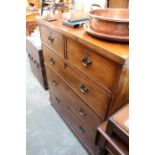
[(114, 137), (35, 56)]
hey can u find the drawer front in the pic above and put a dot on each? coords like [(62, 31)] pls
[(84, 134), (81, 109), (32, 51), (53, 39), (32, 24), (52, 60), (37, 70), (98, 68), (93, 96)]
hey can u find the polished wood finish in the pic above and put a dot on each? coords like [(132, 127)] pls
[(115, 137), (84, 74), (118, 123), (35, 56), (53, 40), (52, 60), (101, 70), (117, 3), (31, 23), (85, 135), (116, 52), (79, 107), (36, 3), (121, 93), (97, 99)]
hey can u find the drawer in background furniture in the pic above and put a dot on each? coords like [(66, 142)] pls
[(52, 60), (96, 98), (38, 71), (84, 134), (31, 24), (98, 68), (53, 39), (81, 109), (30, 27), (35, 56)]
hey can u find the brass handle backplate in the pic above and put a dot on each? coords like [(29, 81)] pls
[(85, 61), (83, 88), (50, 39), (82, 112), (52, 61)]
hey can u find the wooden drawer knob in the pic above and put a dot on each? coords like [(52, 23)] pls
[(83, 88), (85, 61)]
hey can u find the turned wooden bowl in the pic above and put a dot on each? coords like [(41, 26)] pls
[(111, 22)]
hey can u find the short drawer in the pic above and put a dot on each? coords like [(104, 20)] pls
[(95, 66), (96, 98), (52, 60), (84, 134), (53, 39), (81, 109)]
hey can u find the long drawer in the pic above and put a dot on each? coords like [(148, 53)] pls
[(97, 99), (84, 134), (81, 109), (98, 68), (53, 40)]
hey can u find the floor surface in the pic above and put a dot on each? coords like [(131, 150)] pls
[(46, 134)]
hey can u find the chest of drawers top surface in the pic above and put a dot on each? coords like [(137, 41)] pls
[(116, 52)]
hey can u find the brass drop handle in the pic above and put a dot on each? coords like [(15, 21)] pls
[(81, 129), (54, 82), (82, 112), (83, 89), (52, 61), (50, 39), (57, 99), (85, 61)]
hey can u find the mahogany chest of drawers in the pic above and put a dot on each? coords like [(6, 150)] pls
[(87, 77)]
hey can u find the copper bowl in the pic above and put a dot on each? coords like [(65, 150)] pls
[(113, 23)]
